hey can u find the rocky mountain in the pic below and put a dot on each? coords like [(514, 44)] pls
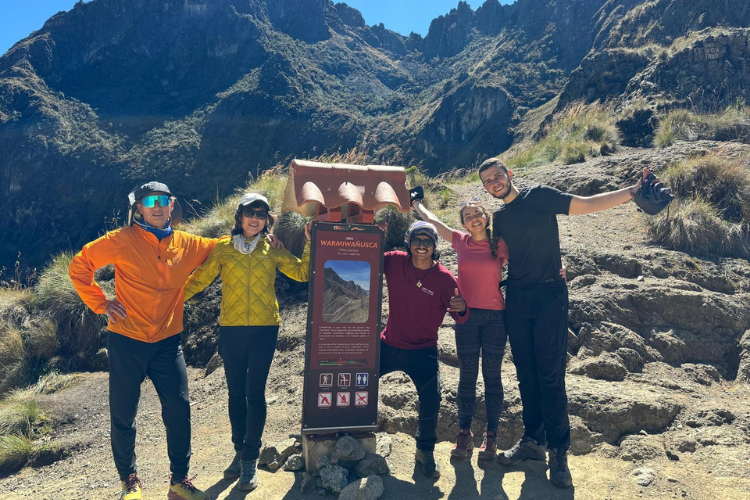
[(201, 93), (344, 301)]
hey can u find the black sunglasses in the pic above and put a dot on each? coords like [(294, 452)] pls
[(419, 242), (259, 213)]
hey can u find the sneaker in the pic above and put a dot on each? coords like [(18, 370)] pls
[(559, 473), (488, 450), (184, 490), (464, 444), (249, 476), (430, 467), (525, 449), (233, 471), (131, 488)]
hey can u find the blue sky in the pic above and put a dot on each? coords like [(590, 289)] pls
[(18, 18), (357, 271)]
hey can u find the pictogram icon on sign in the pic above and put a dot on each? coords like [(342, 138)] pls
[(345, 379), (343, 399), (324, 399), (326, 380), (361, 398), (362, 379)]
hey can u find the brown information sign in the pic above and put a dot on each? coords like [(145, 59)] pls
[(342, 354)]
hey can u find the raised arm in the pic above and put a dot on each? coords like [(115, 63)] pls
[(590, 204), (443, 230)]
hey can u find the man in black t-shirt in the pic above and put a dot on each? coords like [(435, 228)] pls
[(536, 307)]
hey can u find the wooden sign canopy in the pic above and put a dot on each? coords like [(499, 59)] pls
[(321, 190)]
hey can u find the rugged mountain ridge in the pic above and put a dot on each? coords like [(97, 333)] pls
[(201, 93)]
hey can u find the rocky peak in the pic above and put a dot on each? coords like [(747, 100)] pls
[(449, 34)]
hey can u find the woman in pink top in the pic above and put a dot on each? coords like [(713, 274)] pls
[(479, 275)]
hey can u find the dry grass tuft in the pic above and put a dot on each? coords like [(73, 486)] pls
[(683, 125)]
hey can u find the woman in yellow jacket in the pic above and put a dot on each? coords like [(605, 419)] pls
[(249, 322)]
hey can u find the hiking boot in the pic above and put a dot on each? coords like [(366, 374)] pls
[(184, 490), (464, 444), (426, 459), (488, 450), (131, 488), (525, 449), (248, 476), (233, 471), (559, 473)]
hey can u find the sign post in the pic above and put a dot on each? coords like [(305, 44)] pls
[(343, 329)]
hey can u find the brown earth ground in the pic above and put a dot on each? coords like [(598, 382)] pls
[(685, 454)]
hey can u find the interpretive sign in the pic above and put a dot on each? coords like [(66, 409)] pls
[(342, 354)]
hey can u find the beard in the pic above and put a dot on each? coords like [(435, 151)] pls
[(505, 191)]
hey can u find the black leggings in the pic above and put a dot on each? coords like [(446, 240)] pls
[(247, 352), (485, 332)]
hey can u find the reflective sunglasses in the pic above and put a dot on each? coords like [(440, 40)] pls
[(150, 201), (419, 242), (259, 213)]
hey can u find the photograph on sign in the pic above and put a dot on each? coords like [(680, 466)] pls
[(346, 293)]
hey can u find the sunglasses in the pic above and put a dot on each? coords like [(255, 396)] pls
[(150, 201), (249, 213), (419, 242)]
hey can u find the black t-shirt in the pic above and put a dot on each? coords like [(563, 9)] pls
[(528, 225)]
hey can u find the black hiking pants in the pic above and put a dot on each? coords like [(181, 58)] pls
[(421, 365), (536, 318), (247, 352), (130, 362)]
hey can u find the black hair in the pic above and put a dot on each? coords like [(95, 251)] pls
[(238, 218), (492, 162)]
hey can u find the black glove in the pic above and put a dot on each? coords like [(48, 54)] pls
[(415, 193), (652, 197)]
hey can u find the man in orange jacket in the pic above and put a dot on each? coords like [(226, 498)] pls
[(152, 263)]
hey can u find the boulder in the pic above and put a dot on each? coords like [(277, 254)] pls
[(348, 449), (294, 463), (369, 488), (372, 464), (334, 478)]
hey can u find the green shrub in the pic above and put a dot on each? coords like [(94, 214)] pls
[(720, 182), (575, 133), (20, 416), (695, 226), (398, 222), (290, 229), (14, 453), (78, 327), (683, 125)]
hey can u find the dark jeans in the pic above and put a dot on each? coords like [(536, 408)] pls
[(485, 333), (247, 352), (536, 318), (421, 365), (130, 361)]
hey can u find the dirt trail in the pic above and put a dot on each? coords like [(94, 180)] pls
[(690, 453)]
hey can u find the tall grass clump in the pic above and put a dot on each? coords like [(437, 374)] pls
[(711, 214), (15, 451), (78, 327), (733, 123), (398, 222), (576, 133)]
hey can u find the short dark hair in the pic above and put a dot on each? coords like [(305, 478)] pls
[(238, 218), (491, 162)]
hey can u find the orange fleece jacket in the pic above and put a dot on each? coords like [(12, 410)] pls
[(150, 277)]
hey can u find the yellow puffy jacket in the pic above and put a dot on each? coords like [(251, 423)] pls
[(248, 296)]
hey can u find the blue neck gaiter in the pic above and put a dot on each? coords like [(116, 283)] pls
[(159, 233)]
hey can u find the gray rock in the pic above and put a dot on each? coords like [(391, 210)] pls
[(582, 440), (213, 364), (307, 485), (384, 446), (370, 488), (608, 366), (323, 461), (348, 449), (632, 360), (743, 372), (371, 465), (644, 476), (637, 448), (294, 463), (286, 449), (334, 478), (268, 455)]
